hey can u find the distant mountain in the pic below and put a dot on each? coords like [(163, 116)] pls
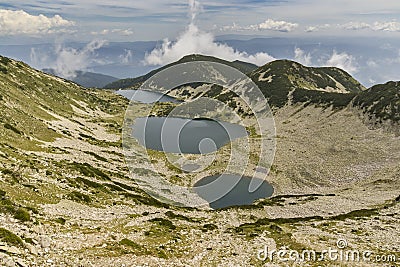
[(135, 82), (282, 81), (89, 79)]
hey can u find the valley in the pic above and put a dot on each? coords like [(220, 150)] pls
[(67, 197)]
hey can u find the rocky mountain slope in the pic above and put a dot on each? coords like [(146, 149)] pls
[(135, 82), (67, 199), (283, 80), (381, 105)]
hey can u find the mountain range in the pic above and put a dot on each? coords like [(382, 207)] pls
[(67, 197)]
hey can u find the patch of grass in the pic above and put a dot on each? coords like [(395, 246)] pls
[(164, 223), (89, 183), (90, 171), (96, 156), (60, 220), (209, 227), (356, 214), (22, 215), (129, 243), (79, 197), (148, 200), (172, 215), (337, 100), (7, 206), (13, 128), (10, 238)]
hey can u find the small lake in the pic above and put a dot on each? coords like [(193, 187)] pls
[(211, 189), (189, 136), (146, 97)]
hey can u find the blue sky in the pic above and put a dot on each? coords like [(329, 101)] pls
[(359, 36), (155, 19)]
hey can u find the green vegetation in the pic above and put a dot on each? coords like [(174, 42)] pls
[(60, 220), (356, 214), (10, 238), (172, 215), (9, 207), (129, 243), (288, 76), (209, 227), (336, 100), (86, 169), (164, 222), (96, 156), (12, 128), (22, 215), (381, 102), (79, 197)]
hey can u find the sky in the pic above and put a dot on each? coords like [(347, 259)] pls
[(127, 20), (192, 26)]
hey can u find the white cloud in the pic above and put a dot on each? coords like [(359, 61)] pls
[(355, 26), (317, 28), (372, 64), (66, 61), (19, 22), (127, 57), (195, 41), (123, 32), (343, 61), (312, 29), (271, 25), (103, 32), (194, 9), (301, 57), (390, 26), (281, 26)]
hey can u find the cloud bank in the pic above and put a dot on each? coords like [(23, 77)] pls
[(20, 22), (281, 26), (195, 41), (123, 32), (343, 61), (269, 24), (301, 57), (67, 60), (388, 26)]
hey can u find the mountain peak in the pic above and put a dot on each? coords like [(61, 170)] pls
[(280, 80)]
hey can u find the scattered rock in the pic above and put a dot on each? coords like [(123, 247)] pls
[(11, 250), (31, 248), (45, 242), (21, 263)]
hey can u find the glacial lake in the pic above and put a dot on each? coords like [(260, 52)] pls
[(188, 136), (241, 193), (146, 97)]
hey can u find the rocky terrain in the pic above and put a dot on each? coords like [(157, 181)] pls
[(68, 199)]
